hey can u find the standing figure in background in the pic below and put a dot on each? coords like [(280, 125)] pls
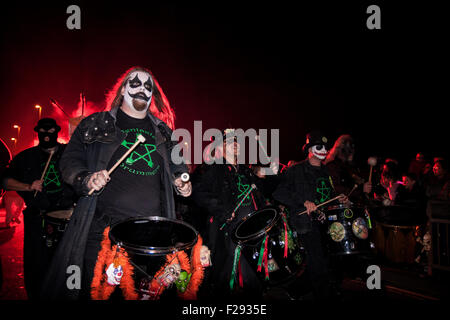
[(218, 190), (340, 163), (42, 194)]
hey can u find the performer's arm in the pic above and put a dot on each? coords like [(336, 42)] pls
[(15, 185), (73, 163)]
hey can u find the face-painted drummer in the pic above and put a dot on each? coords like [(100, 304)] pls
[(303, 188), (114, 187)]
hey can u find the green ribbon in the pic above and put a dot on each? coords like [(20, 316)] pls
[(261, 253), (237, 255)]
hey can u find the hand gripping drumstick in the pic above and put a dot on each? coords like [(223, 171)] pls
[(140, 139), (328, 201), (253, 187), (45, 169)]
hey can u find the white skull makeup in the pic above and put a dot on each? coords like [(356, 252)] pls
[(138, 91), (320, 151), (114, 274)]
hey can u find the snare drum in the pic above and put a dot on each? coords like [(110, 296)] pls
[(267, 233), (148, 241), (55, 223), (348, 230)]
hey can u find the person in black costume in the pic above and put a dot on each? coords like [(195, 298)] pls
[(218, 190), (305, 186), (142, 185), (41, 196)]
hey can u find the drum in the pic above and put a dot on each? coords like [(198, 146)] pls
[(348, 230), (148, 242), (396, 230), (55, 223), (265, 233), (396, 243)]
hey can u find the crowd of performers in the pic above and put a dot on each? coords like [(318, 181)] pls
[(255, 231)]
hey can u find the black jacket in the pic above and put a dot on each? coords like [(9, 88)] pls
[(90, 149), (298, 185)]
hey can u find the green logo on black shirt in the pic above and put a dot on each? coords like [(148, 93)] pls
[(140, 161), (52, 181)]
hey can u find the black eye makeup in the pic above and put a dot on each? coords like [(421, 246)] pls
[(135, 82), (319, 147), (148, 85)]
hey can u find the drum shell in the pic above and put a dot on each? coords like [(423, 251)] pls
[(148, 240), (282, 268), (396, 243), (350, 243), (54, 227)]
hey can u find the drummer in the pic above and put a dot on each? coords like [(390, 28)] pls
[(305, 186), (219, 189), (143, 184), (42, 193)]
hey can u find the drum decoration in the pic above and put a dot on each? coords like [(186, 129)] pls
[(266, 241), (114, 268), (337, 231), (348, 227)]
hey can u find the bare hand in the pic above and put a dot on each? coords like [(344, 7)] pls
[(343, 199), (185, 188), (98, 180), (36, 185), (310, 207)]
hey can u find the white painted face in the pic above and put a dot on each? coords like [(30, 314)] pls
[(319, 151), (138, 91)]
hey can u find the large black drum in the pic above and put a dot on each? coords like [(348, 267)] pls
[(348, 230), (148, 241), (267, 232)]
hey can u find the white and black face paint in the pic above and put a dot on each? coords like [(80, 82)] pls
[(138, 91), (319, 151)]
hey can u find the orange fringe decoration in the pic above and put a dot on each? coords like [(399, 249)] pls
[(100, 289), (197, 273)]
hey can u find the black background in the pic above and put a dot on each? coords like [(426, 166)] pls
[(295, 67)]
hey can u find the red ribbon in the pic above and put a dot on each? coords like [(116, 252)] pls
[(241, 280), (254, 203), (285, 240), (265, 262)]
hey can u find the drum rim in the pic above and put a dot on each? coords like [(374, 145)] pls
[(259, 233), (340, 206), (148, 250), (46, 215)]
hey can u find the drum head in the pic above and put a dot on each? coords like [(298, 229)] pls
[(153, 235), (255, 225), (60, 214)]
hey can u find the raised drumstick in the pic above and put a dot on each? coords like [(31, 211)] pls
[(372, 161), (140, 139), (46, 167)]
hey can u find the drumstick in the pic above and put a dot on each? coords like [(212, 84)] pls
[(265, 152), (322, 204), (46, 167), (372, 161), (253, 186), (140, 139)]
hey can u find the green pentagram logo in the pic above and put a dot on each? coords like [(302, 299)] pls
[(243, 189), (52, 176), (323, 190), (136, 156)]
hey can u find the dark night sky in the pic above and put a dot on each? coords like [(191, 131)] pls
[(257, 65)]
